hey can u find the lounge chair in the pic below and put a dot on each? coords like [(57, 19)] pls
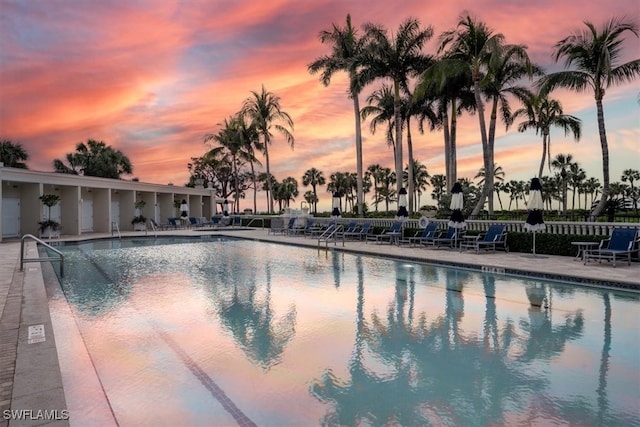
[(393, 234), (422, 237), (449, 239), (359, 234), (622, 243), (279, 227), (193, 222), (317, 229), (351, 227), (495, 237), (237, 221), (173, 223), (302, 229)]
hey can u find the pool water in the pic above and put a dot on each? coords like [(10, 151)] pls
[(238, 332)]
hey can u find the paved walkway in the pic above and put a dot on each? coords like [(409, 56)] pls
[(29, 371)]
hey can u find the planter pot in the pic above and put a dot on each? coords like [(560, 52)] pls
[(49, 232), (139, 226)]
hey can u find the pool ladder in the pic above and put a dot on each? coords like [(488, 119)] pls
[(331, 233), (60, 257)]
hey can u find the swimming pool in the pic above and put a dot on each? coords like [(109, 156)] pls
[(236, 332)]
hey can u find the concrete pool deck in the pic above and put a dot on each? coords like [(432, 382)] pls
[(30, 378)]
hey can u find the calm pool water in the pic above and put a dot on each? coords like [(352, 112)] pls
[(236, 332)]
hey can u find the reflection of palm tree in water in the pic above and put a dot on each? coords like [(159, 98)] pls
[(545, 340), (252, 322), (368, 397)]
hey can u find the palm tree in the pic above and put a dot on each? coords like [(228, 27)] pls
[(346, 51), (420, 181), (542, 113), (313, 177), (632, 175), (577, 175), (236, 140), (596, 55), (562, 163), (376, 173), (13, 155), (495, 68), (381, 105), (95, 158), (443, 98), (397, 57), (439, 184), (264, 112)]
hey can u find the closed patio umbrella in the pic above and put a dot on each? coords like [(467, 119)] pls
[(535, 222), (456, 205), (184, 209)]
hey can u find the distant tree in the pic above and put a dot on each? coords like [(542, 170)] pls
[(13, 154), (95, 158), (313, 177)]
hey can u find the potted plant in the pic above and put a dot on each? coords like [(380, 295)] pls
[(49, 228), (139, 221)]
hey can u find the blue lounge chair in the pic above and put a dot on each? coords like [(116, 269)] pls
[(423, 237), (237, 221), (494, 238), (393, 235), (622, 243), (303, 229), (359, 234), (173, 222), (449, 239), (279, 227)]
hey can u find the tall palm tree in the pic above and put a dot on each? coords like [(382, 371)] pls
[(542, 113), (313, 177), (13, 155), (496, 69), (420, 181), (399, 58), (443, 98), (596, 55), (346, 52), (232, 138), (468, 49), (380, 104), (264, 111), (562, 163)]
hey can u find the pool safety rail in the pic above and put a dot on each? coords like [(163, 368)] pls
[(333, 232), (60, 256)]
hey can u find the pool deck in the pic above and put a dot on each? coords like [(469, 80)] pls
[(30, 376)]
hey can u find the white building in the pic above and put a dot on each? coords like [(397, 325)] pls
[(89, 204)]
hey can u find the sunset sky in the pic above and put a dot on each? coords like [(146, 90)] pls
[(151, 78)]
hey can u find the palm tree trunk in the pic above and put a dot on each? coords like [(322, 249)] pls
[(605, 159), (544, 153), (255, 189), (359, 169), (485, 149), (269, 186), (398, 123), (490, 147), (447, 149), (453, 157), (410, 190)]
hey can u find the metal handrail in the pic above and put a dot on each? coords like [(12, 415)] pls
[(117, 227), (44, 259), (153, 227), (329, 233), (253, 219)]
